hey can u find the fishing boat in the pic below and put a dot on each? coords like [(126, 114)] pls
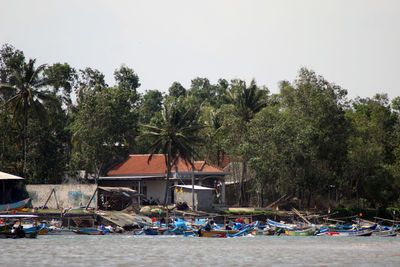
[(385, 233), (266, 231), (88, 232), (5, 227), (152, 231), (300, 232), (380, 230), (40, 229), (15, 206), (281, 225), (59, 231), (364, 232), (216, 233), (13, 226)]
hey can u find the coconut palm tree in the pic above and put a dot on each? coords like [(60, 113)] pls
[(175, 137), (26, 84), (247, 101)]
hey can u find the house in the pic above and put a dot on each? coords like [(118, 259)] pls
[(148, 178)]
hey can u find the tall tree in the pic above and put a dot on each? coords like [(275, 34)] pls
[(127, 78), (372, 146), (268, 134), (176, 90), (89, 80), (245, 103), (316, 110), (27, 85), (150, 104), (175, 137), (104, 128), (213, 134), (62, 78)]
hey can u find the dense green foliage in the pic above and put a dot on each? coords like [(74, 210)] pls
[(309, 143)]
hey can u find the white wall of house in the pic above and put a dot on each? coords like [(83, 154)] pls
[(155, 189)]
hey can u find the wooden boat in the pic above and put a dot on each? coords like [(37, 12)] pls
[(385, 233), (153, 231), (216, 233), (263, 232), (380, 230), (88, 232), (302, 232), (347, 233), (281, 225), (59, 231), (5, 227), (40, 229), (14, 206), (17, 226)]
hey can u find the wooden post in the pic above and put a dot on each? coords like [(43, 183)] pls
[(90, 201), (223, 192), (52, 190), (61, 217), (139, 191)]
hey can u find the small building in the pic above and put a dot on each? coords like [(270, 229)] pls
[(203, 196), (148, 178), (12, 188), (117, 198)]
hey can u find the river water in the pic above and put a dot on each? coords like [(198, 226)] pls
[(127, 250)]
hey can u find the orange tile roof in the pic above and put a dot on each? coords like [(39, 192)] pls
[(138, 165)]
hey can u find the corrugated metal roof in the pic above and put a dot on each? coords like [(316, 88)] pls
[(7, 176), (196, 187)]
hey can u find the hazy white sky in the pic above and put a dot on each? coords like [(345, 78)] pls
[(355, 44)]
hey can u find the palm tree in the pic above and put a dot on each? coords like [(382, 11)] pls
[(175, 137), (26, 83), (247, 101)]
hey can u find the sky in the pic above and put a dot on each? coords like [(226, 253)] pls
[(354, 44)]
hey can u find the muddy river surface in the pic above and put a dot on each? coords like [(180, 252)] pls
[(127, 250)]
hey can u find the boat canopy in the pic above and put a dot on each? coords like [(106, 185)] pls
[(18, 216), (7, 176)]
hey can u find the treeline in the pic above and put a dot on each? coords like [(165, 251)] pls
[(309, 143)]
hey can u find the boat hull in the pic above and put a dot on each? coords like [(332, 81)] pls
[(346, 233), (14, 206), (217, 233), (88, 232), (307, 232), (385, 233)]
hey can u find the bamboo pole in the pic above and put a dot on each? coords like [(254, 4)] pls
[(52, 190), (301, 216), (383, 219), (90, 201)]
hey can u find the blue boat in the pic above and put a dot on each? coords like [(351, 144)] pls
[(15, 206), (17, 230)]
